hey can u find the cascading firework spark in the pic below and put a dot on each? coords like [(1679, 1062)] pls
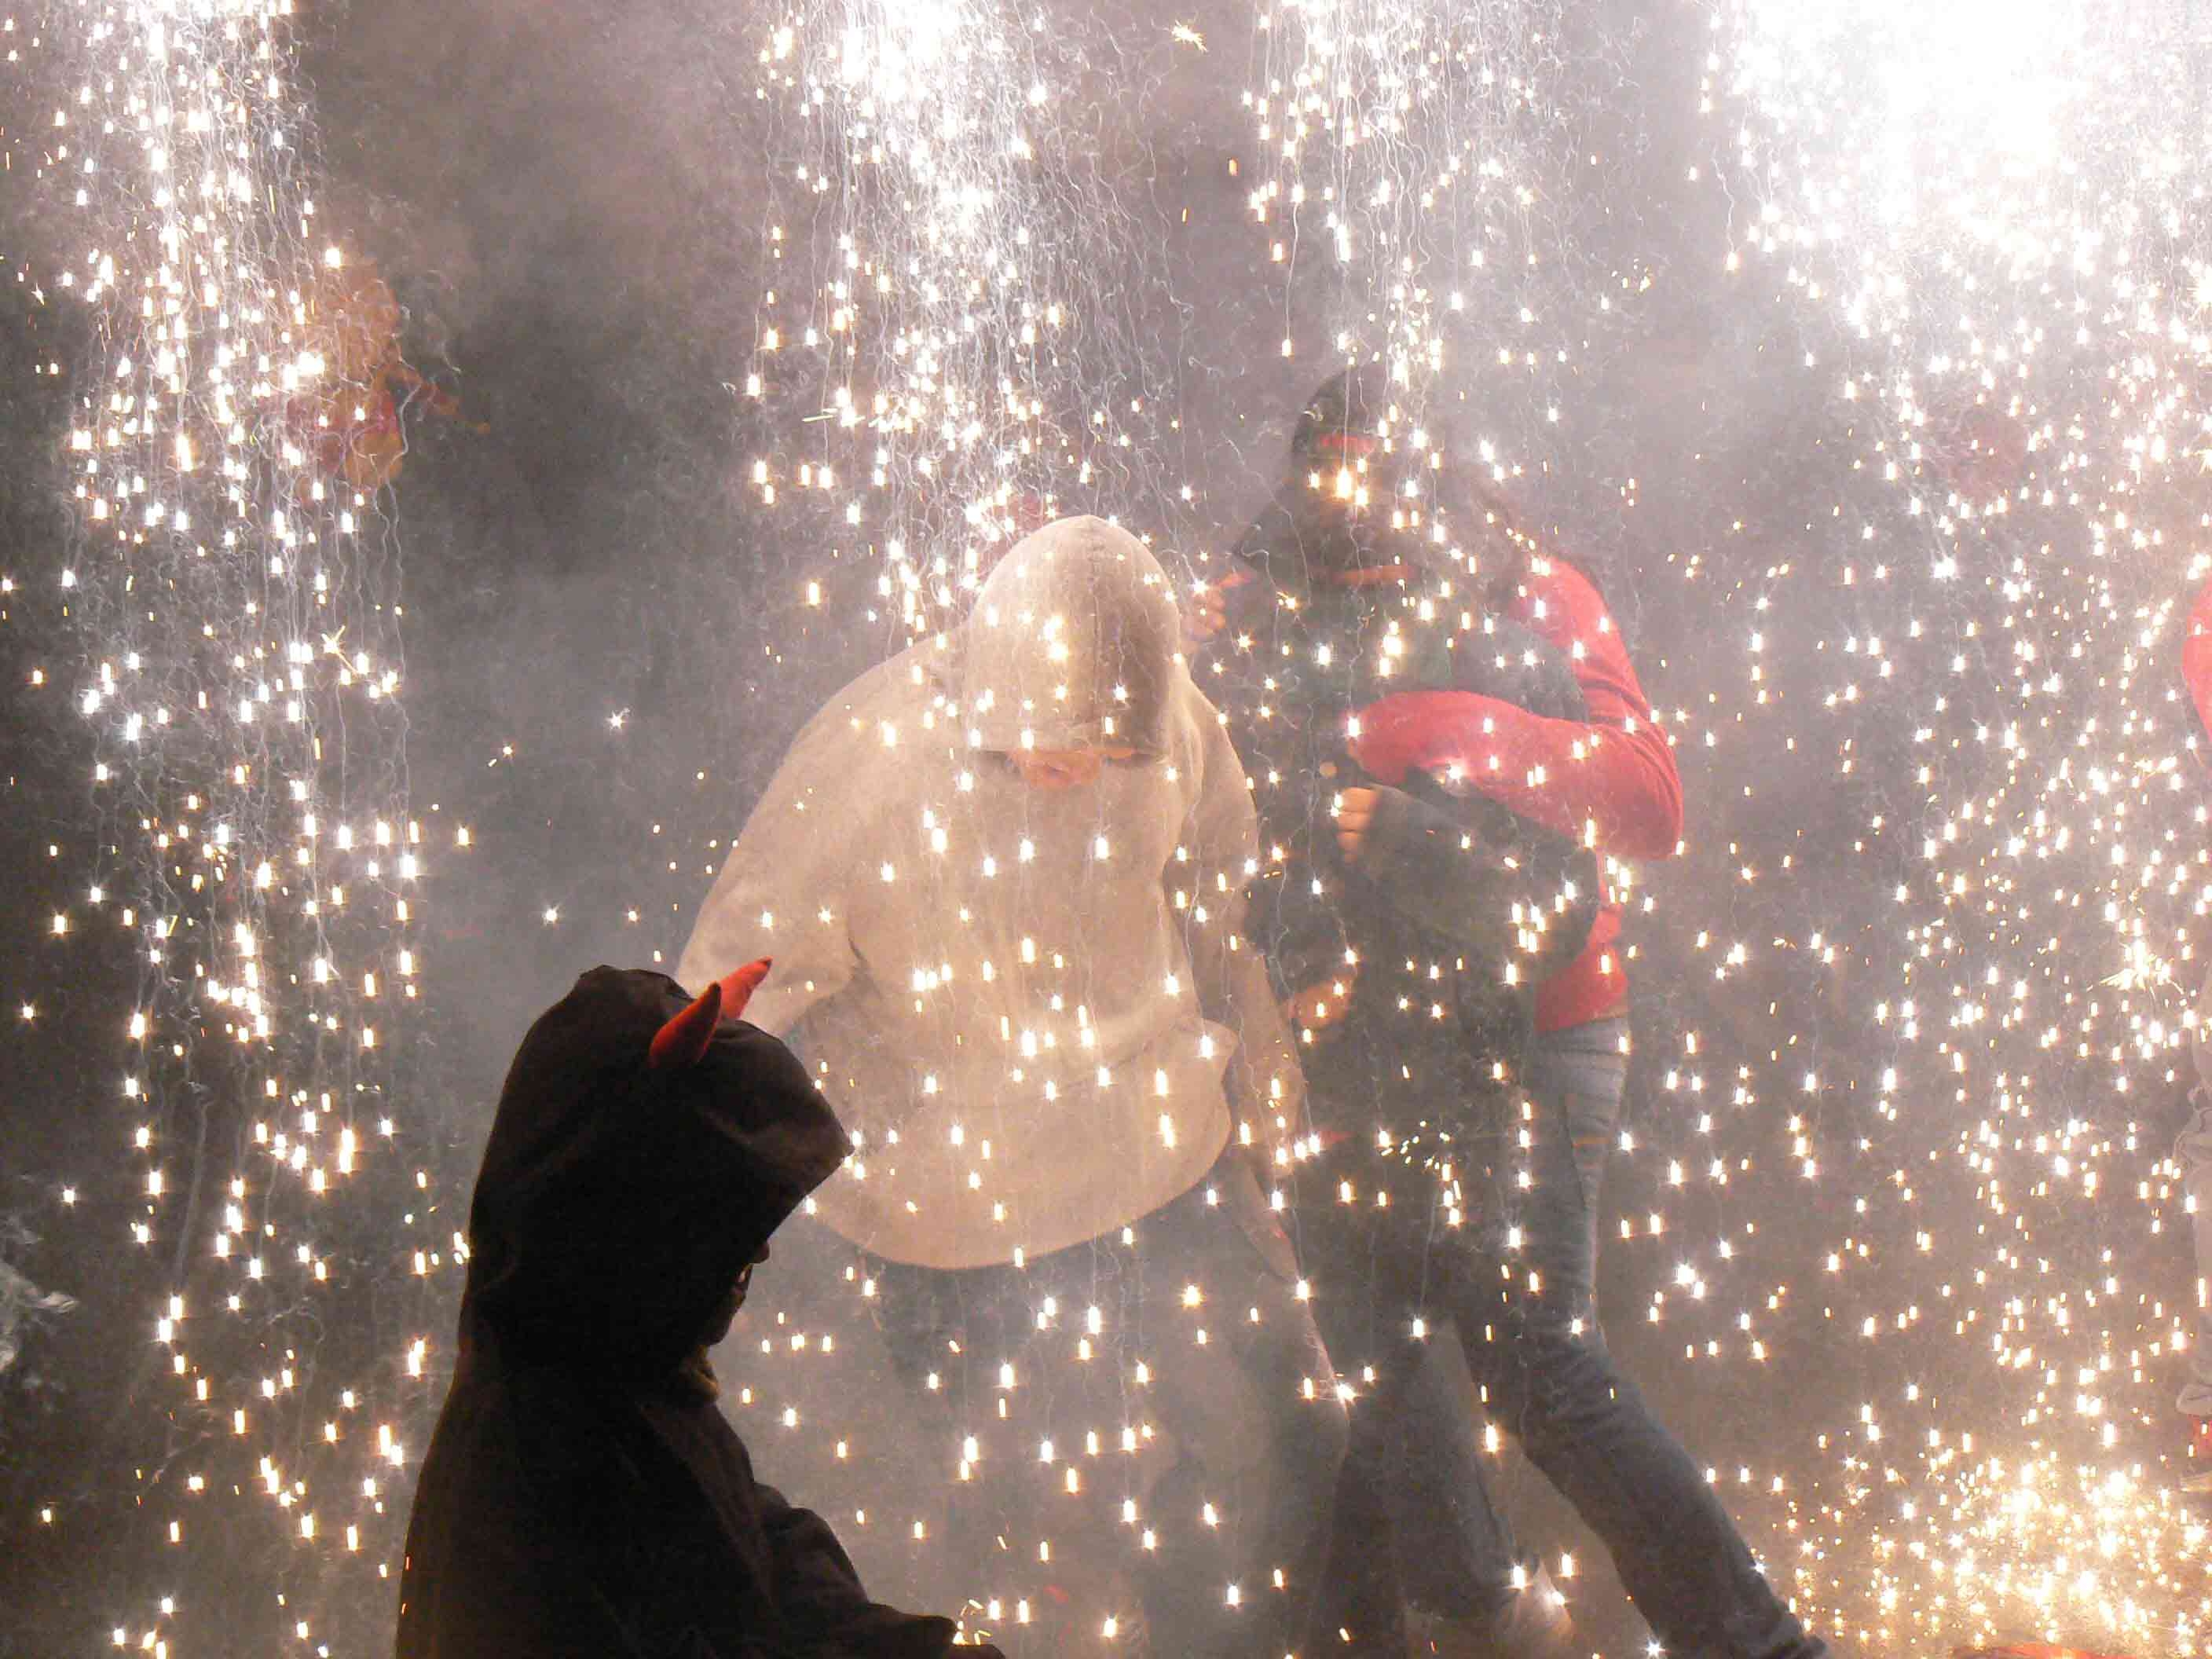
[(972, 372), (234, 652), (1992, 224)]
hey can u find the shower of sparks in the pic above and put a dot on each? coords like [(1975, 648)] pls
[(973, 369), (231, 647), (1418, 148), (1990, 222), (973, 355), (1993, 223)]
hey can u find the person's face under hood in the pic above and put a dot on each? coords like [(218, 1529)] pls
[(1071, 651), (623, 1204), (733, 1300), (1054, 770), (1333, 518)]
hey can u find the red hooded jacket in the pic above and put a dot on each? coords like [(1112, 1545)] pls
[(2196, 656), (1610, 780)]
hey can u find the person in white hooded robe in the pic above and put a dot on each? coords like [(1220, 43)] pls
[(1002, 877)]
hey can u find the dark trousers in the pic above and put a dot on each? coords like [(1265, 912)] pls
[(1525, 1318), (1152, 1409)]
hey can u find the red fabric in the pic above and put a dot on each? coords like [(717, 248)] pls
[(683, 1040), (2196, 656), (1610, 779), (740, 984)]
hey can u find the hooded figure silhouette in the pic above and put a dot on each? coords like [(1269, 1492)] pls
[(583, 1498)]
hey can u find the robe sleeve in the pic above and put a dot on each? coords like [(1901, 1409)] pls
[(1208, 885), (819, 1596), (1610, 780), (783, 893)]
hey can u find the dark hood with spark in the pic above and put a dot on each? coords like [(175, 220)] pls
[(617, 1202)]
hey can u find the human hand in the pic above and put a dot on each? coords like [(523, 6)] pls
[(1321, 1004), (1355, 814), (1204, 617)]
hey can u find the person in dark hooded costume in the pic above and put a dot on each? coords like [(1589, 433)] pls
[(1435, 916), (583, 1498), (1406, 920)]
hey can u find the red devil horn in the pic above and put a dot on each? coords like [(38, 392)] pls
[(740, 984), (684, 1038)]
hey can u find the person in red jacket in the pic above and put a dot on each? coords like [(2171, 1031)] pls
[(2194, 1150), (1609, 782)]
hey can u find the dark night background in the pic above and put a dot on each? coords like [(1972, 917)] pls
[(569, 200)]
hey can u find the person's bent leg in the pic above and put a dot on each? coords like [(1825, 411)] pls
[(1245, 1388), (991, 1385), (1584, 1424), (1454, 1548), (1361, 1606), (1365, 1308), (1530, 1338)]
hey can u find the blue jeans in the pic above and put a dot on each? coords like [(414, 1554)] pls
[(1237, 1380), (2194, 1150), (1414, 1460)]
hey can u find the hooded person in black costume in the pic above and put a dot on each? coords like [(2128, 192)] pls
[(1332, 613), (1407, 923), (583, 1498)]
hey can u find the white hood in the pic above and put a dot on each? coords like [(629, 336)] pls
[(1072, 643)]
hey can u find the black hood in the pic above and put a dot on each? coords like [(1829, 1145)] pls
[(617, 1204), (1305, 533), (1354, 404)]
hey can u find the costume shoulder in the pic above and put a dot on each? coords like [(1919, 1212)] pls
[(815, 823), (523, 1526), (898, 693)]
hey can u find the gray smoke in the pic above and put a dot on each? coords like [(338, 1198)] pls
[(21, 1301)]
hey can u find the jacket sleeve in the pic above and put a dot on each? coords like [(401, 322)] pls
[(819, 1596), (782, 891), (1529, 901), (1610, 780), (1208, 885), (2196, 656)]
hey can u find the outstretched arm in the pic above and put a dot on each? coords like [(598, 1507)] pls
[(819, 1596), (1610, 780), (782, 891)]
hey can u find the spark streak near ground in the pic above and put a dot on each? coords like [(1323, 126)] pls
[(1990, 225)]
